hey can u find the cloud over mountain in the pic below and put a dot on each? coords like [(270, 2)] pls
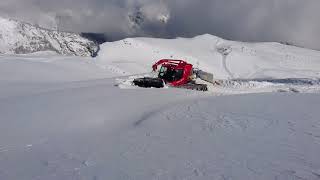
[(293, 21)]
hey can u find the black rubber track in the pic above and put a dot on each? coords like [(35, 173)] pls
[(148, 82)]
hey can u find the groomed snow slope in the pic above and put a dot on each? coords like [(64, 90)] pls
[(64, 118)]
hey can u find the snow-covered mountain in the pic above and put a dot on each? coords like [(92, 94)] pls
[(23, 38), (64, 117)]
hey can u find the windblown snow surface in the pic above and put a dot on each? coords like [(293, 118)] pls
[(78, 118)]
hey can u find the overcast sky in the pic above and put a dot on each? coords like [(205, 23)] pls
[(294, 21)]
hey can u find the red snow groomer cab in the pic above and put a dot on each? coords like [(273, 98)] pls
[(174, 73)]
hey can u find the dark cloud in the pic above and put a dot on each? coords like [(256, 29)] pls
[(293, 21)]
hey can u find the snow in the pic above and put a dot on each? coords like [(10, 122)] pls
[(250, 66), (80, 118), (245, 60)]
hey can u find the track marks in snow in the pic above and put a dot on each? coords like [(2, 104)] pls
[(225, 50), (211, 121), (144, 117), (234, 122), (247, 86), (25, 147), (113, 69), (159, 111), (224, 62)]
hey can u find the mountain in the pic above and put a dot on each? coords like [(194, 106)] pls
[(23, 38), (66, 117)]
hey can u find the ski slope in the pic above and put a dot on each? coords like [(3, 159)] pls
[(78, 118)]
